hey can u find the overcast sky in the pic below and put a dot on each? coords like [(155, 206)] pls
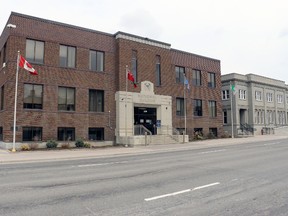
[(247, 36)]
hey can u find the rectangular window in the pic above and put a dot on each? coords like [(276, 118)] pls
[(180, 106), (33, 96), (67, 56), (180, 71), (196, 78), (279, 98), (96, 60), (225, 94), (242, 94), (134, 65), (66, 134), (213, 132), (269, 97), (158, 70), (35, 51), (96, 134), (66, 99), (32, 134), (1, 133), (211, 80), (212, 109), (258, 95), (96, 100), (3, 56), (2, 98), (197, 107), (225, 117)]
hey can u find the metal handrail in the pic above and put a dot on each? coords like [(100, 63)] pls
[(140, 130)]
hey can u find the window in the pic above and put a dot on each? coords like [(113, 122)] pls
[(258, 95), (211, 80), (180, 71), (196, 78), (212, 108), (197, 105), (180, 106), (35, 51), (66, 134), (279, 98), (96, 60), (158, 70), (225, 95), (3, 56), (269, 97), (1, 133), (2, 98), (96, 134), (96, 100), (242, 94), (213, 132), (134, 65), (32, 134), (67, 56), (33, 95), (66, 99), (225, 117)]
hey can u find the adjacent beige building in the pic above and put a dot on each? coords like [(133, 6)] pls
[(259, 104)]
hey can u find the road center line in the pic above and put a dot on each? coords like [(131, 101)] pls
[(275, 143), (101, 164), (180, 192), (208, 152)]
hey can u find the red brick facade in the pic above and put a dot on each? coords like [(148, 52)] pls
[(118, 54)]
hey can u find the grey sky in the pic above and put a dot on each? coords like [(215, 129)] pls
[(248, 36)]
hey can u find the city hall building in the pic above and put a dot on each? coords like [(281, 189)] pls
[(81, 90)]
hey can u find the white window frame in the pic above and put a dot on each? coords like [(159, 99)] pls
[(279, 98), (258, 95), (242, 94), (269, 97)]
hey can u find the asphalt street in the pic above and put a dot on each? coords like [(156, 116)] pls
[(247, 179)]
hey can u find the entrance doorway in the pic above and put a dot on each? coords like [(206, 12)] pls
[(147, 117)]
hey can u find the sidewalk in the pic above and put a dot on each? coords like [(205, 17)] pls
[(66, 154)]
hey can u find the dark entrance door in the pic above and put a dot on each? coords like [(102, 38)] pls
[(147, 117)]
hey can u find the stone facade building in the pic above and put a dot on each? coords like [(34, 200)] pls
[(80, 89), (259, 104)]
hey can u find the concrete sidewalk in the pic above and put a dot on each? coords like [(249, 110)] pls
[(66, 154)]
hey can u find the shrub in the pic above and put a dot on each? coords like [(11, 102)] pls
[(25, 147), (51, 144), (87, 145), (79, 143)]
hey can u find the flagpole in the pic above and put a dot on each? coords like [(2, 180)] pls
[(15, 104), (185, 104), (126, 107), (232, 129)]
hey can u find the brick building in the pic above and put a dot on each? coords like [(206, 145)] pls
[(80, 90)]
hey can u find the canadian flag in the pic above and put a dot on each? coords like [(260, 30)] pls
[(131, 78), (24, 64)]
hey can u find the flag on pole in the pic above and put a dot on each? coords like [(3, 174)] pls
[(233, 89), (186, 82), (131, 78), (24, 64)]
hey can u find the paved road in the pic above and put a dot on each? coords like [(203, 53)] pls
[(247, 179)]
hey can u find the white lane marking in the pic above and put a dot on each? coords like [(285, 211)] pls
[(268, 144), (205, 186), (208, 152), (180, 192), (234, 180), (101, 164), (166, 195)]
